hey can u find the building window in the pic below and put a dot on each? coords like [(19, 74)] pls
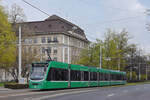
[(29, 49), (30, 41), (25, 50), (25, 41), (55, 51), (48, 39), (35, 40), (43, 50), (55, 59), (66, 39), (35, 51), (49, 49), (55, 39), (66, 54), (49, 25), (43, 40)]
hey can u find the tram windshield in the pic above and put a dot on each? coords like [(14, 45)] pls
[(38, 71)]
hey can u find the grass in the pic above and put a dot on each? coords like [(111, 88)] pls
[(130, 84), (139, 83), (1, 84)]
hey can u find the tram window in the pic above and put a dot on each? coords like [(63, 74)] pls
[(118, 77), (82, 76), (101, 76), (75, 75), (125, 77), (112, 76), (93, 76), (106, 77), (86, 76), (57, 74), (115, 77), (121, 77)]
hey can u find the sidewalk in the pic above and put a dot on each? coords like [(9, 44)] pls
[(4, 89)]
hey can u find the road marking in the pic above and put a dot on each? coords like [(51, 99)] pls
[(60, 94), (110, 95)]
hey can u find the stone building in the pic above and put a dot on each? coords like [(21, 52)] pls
[(63, 39)]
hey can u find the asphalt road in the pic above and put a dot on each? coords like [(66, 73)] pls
[(138, 92)]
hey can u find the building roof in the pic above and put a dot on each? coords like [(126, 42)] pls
[(54, 24)]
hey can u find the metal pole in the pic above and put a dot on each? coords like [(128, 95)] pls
[(139, 65), (68, 51), (100, 56), (139, 72), (119, 64), (40, 53), (19, 53), (63, 49)]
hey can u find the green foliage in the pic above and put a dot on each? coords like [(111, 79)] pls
[(143, 77), (1, 84), (7, 40), (134, 76), (114, 50)]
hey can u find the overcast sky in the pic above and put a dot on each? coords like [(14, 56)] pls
[(96, 16)]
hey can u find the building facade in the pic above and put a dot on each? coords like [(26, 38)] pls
[(5, 76), (61, 38)]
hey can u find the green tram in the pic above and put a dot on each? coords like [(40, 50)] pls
[(54, 75)]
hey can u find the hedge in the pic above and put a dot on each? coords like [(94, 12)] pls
[(16, 86)]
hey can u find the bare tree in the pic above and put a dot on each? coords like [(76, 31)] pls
[(16, 14)]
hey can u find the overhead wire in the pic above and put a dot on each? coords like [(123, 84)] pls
[(115, 20), (35, 7)]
